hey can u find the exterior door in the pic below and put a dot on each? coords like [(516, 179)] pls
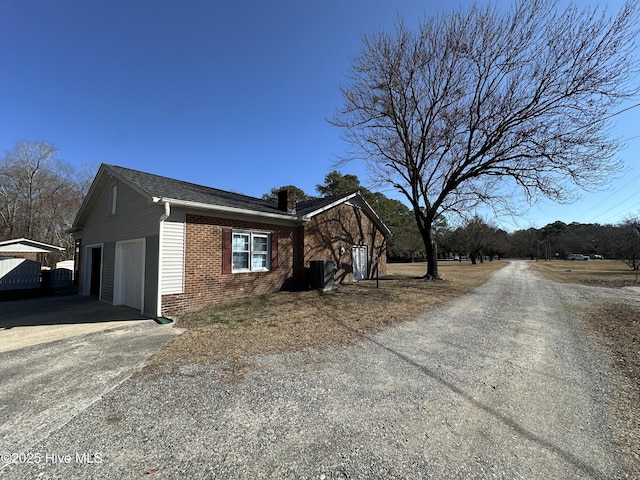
[(95, 270), (129, 274), (359, 254)]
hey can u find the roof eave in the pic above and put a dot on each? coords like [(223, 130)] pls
[(369, 208), (45, 247), (312, 214), (225, 209)]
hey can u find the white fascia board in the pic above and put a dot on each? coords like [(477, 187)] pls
[(372, 213), (223, 209), (309, 216), (375, 216), (22, 248), (26, 245)]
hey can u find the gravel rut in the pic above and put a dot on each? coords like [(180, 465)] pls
[(501, 383)]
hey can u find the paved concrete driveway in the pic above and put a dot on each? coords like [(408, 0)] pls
[(40, 320), (65, 365)]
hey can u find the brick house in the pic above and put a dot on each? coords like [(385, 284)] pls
[(165, 246)]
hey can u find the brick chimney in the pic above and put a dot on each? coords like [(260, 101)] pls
[(287, 201)]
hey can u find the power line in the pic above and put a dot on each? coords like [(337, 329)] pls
[(625, 210), (622, 111), (613, 194), (605, 118), (630, 138), (616, 205)]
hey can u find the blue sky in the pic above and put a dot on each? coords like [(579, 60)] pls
[(234, 95)]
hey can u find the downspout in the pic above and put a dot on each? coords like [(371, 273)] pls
[(163, 217)]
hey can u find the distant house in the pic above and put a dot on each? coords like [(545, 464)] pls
[(25, 248), (165, 246), (19, 265)]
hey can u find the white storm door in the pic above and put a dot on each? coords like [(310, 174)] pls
[(359, 254), (129, 274)]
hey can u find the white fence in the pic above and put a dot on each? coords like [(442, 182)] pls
[(59, 277), (19, 273)]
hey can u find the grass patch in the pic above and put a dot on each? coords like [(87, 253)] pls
[(617, 328), (606, 273), (289, 321)]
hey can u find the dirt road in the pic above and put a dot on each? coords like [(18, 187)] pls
[(501, 383)]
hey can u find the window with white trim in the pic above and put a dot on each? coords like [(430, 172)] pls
[(250, 252)]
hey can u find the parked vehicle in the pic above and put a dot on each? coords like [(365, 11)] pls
[(577, 256)]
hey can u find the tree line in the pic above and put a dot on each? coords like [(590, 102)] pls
[(479, 239)]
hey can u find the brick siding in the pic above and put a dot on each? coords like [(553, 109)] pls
[(204, 282), (331, 235), (328, 236), (27, 255)]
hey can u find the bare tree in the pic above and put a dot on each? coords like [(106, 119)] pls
[(474, 238), (629, 242), (478, 105), (39, 194)]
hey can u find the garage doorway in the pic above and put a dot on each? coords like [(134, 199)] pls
[(129, 274), (359, 255)]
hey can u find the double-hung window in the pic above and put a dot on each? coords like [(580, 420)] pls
[(250, 252)]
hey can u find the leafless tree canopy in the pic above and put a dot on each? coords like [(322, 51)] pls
[(629, 242), (39, 195), (477, 103)]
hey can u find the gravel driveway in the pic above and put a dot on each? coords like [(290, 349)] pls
[(501, 383)]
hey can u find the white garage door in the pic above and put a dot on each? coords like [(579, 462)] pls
[(129, 274)]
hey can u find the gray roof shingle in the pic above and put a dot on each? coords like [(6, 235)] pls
[(158, 186)]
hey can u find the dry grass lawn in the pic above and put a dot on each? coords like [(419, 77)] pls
[(606, 273), (617, 328), (288, 321)]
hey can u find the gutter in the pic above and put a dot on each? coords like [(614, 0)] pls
[(220, 208)]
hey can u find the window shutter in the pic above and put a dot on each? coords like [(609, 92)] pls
[(274, 251), (226, 250)]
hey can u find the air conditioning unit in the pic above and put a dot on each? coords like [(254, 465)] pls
[(322, 274)]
